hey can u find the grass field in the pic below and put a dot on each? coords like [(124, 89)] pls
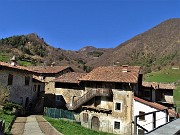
[(167, 76), (70, 128), (4, 57)]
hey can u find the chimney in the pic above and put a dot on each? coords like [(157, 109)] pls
[(52, 64), (13, 61), (124, 68)]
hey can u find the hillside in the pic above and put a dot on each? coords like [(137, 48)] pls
[(153, 49), (33, 50)]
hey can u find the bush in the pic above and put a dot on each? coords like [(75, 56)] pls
[(8, 107), (4, 93)]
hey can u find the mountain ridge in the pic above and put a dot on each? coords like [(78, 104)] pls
[(153, 49)]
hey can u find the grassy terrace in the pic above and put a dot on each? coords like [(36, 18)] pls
[(167, 76), (70, 128)]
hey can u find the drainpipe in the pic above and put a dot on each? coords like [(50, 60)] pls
[(131, 113)]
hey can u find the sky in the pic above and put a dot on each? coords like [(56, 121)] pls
[(73, 24)]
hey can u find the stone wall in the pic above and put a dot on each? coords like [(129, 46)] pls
[(50, 88), (124, 96), (106, 122), (68, 94), (19, 92)]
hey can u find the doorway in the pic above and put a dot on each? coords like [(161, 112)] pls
[(38, 91), (95, 123)]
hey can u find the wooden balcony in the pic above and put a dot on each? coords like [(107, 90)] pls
[(89, 95)]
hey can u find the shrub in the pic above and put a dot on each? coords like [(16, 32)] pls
[(8, 107)]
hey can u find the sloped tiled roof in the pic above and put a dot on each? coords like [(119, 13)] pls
[(71, 77), (15, 67), (113, 74), (155, 105), (49, 69), (156, 85)]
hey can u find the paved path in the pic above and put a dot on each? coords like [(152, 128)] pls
[(33, 125)]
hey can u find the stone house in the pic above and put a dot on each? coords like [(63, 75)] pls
[(103, 98), (157, 92), (68, 88), (18, 79), (45, 76)]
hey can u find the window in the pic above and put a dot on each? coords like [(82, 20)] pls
[(118, 106), (147, 93), (140, 132), (141, 117), (10, 79), (58, 97), (34, 88), (85, 117), (27, 80), (116, 125)]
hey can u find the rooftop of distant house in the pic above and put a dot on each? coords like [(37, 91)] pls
[(71, 77), (49, 69), (127, 74), (155, 105), (9, 65), (155, 85)]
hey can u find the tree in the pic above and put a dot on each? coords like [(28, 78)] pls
[(4, 93)]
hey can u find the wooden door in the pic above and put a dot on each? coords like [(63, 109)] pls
[(95, 123)]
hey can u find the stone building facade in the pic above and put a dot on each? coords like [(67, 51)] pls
[(157, 92), (45, 75), (68, 88), (104, 98), (18, 79)]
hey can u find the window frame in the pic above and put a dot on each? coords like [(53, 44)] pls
[(142, 117), (10, 79), (27, 80), (34, 87), (115, 106), (115, 125)]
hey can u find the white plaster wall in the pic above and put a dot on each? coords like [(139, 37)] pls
[(147, 123)]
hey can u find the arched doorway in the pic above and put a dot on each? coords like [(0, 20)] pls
[(95, 123)]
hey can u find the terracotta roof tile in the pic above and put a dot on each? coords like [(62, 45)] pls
[(71, 77), (156, 85), (15, 67), (155, 105), (113, 74), (48, 69)]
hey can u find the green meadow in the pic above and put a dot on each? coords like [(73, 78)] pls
[(71, 128), (167, 76)]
